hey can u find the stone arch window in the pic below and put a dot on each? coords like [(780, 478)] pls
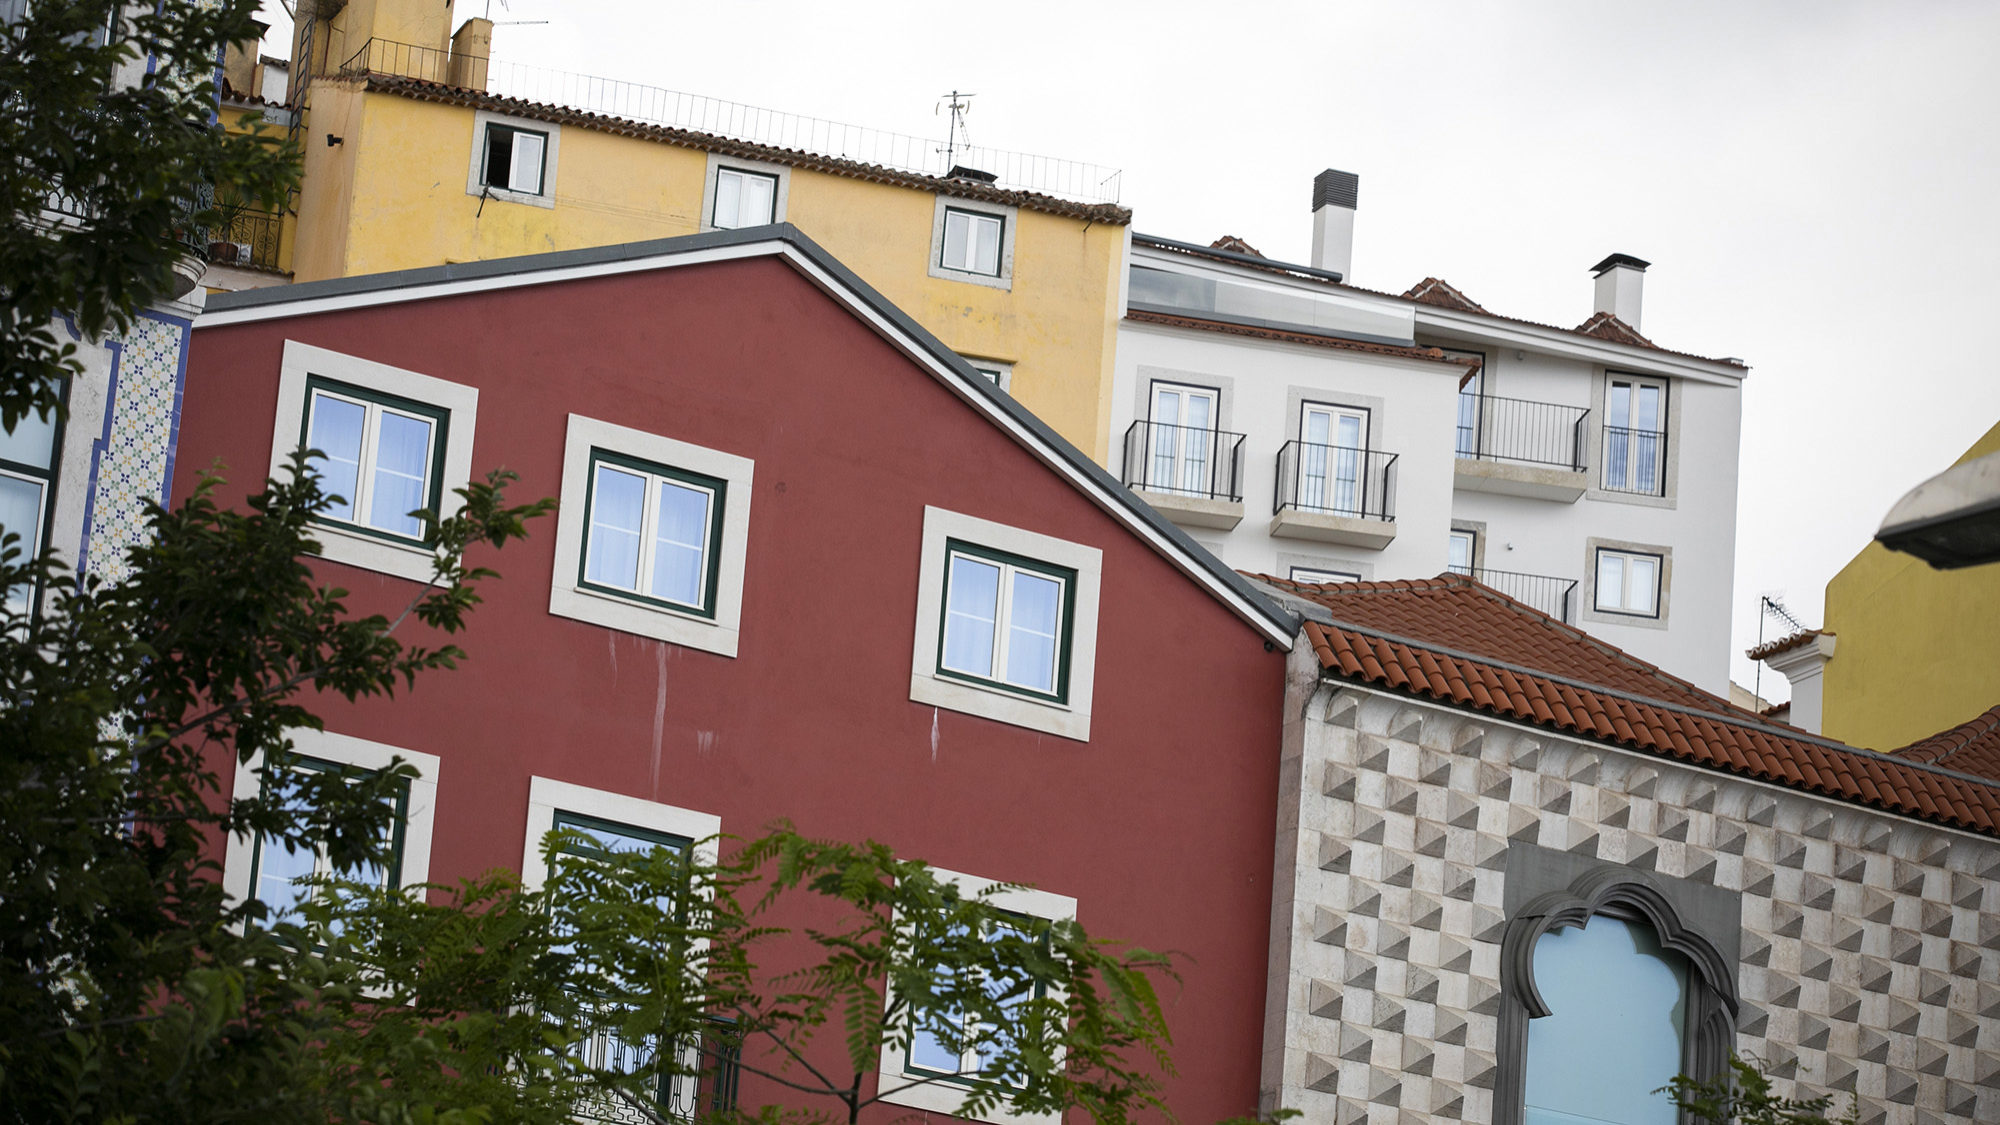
[(1639, 966)]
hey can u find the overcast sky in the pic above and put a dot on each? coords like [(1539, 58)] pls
[(1814, 183)]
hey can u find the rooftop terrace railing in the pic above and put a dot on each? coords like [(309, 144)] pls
[(654, 105), (1553, 596)]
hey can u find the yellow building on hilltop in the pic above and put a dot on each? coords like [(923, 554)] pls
[(422, 150), (1919, 649)]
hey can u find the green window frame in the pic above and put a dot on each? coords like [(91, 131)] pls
[(392, 872), (375, 404), (1027, 925), (656, 478), (1010, 565)]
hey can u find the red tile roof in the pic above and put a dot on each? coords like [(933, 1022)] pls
[(1453, 640), (1970, 747), (1144, 316), (1785, 643), (1606, 326), (1235, 245), (1437, 291), (422, 90)]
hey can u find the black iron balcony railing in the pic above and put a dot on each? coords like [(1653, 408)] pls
[(1491, 428), (1635, 461), (709, 1094), (1333, 480), (66, 209), (1184, 461), (1553, 596), (247, 238)]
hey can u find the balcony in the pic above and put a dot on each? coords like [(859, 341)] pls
[(247, 239), (1635, 461), (709, 1095), (1334, 494), (1516, 447), (1192, 476), (1553, 596)]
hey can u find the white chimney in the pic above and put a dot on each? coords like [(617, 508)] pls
[(1802, 658), (1333, 221), (1621, 279)]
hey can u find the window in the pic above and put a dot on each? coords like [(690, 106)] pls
[(1007, 620), (254, 867), (1006, 624), (652, 532), (903, 1075), (1181, 434), (651, 536), (1635, 438), (1628, 582), (743, 199), (1471, 402), (28, 457), (1619, 999), (278, 871), (515, 159), (1313, 575), (1333, 442), (1464, 551), (973, 242), (380, 456), (993, 371), (392, 441)]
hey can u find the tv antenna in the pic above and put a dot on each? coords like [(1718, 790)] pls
[(959, 137), (1768, 606), (507, 23)]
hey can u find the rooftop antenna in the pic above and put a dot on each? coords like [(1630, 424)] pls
[(1768, 606), (960, 104), (507, 23)]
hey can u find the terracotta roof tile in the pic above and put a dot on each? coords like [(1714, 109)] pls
[(1451, 639), (1606, 326), (422, 90), (1437, 291), (1145, 316), (1235, 245), (1785, 644), (1970, 747)]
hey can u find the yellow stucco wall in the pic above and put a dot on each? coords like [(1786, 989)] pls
[(394, 197), (1918, 649)]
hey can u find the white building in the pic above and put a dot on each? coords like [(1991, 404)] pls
[(1303, 427)]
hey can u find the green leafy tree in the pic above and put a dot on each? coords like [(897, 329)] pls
[(106, 168), (1744, 1096)]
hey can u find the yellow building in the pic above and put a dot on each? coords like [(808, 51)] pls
[(1919, 649), (421, 150)]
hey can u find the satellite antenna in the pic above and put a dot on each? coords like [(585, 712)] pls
[(959, 138)]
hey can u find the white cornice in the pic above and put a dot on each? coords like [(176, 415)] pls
[(1557, 341)]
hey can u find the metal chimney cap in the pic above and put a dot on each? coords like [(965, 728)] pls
[(1333, 188), (1616, 260)]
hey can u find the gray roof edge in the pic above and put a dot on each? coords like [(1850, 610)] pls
[(792, 236)]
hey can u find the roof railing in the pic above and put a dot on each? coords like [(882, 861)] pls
[(654, 105), (1553, 596)]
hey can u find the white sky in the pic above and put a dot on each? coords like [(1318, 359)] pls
[(1814, 183)]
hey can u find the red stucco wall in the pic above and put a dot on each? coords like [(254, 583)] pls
[(1161, 825)]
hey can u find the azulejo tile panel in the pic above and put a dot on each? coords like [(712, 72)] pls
[(134, 459)]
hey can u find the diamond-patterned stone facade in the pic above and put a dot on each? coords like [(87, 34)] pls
[(1870, 944)]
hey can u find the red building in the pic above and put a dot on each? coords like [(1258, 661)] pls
[(809, 565)]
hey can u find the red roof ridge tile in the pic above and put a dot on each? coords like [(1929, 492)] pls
[(1607, 326), (1785, 644), (1235, 245), (1443, 294), (421, 89)]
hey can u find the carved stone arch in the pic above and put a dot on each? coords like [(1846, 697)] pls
[(1548, 891)]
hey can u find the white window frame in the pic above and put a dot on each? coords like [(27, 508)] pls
[(1009, 219), (551, 159), (1625, 560), (358, 545), (1471, 538), (568, 597), (1633, 460), (999, 373), (947, 1097), (1069, 719), (781, 187), (366, 466), (1330, 450), (1188, 473), (420, 813)]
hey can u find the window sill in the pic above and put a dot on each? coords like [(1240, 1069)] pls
[(502, 195), (945, 273), (1352, 531), (369, 552), (1000, 705), (1194, 511), (1504, 478), (627, 616)]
